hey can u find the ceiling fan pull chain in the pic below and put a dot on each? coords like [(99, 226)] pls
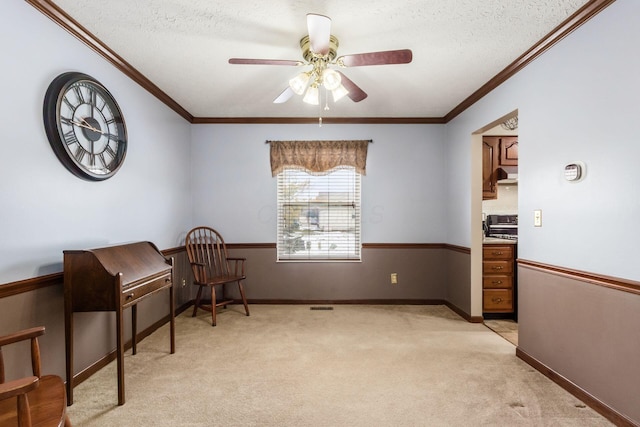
[(326, 100), (320, 107)]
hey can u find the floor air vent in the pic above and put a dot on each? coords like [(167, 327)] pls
[(321, 308)]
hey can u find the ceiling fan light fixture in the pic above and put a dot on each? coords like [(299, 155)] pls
[(299, 83), (312, 96), (339, 92), (331, 79)]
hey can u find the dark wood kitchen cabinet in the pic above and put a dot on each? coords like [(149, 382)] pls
[(496, 151), (490, 158), (509, 151), (498, 290)]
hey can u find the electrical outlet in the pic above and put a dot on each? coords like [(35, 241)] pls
[(537, 218), (394, 278)]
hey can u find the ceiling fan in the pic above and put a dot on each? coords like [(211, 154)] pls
[(319, 50)]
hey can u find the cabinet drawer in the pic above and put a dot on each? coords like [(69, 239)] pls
[(497, 300), (131, 294), (497, 281), (497, 267), (497, 252)]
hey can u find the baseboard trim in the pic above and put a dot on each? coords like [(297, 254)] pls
[(86, 373), (457, 310), (345, 302), (594, 403), (466, 316)]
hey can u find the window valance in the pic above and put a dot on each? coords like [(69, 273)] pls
[(318, 156)]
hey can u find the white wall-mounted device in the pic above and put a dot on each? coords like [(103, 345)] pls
[(574, 172)]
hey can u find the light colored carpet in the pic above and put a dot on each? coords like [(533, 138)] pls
[(357, 365)]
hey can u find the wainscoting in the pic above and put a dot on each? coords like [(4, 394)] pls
[(420, 268), (581, 330)]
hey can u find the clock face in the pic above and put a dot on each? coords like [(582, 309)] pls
[(84, 126)]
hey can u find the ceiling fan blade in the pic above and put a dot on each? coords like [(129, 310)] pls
[(245, 61), (319, 27), (355, 93), (402, 56), (284, 96)]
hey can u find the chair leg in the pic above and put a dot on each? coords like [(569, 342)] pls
[(244, 299), (24, 414), (195, 306), (213, 305)]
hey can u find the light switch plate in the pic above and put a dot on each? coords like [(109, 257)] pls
[(537, 218)]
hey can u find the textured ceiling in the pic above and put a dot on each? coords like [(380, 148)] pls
[(183, 47)]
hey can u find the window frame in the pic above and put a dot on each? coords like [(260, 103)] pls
[(352, 247)]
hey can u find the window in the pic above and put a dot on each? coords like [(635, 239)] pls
[(318, 198), (319, 215)]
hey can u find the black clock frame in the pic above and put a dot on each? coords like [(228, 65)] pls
[(91, 129)]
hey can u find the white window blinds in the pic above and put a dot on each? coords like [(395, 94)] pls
[(319, 215)]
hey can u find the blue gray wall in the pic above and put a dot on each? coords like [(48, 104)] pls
[(46, 209), (403, 192)]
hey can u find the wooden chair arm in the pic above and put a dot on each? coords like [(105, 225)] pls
[(22, 335), (17, 387), (26, 334)]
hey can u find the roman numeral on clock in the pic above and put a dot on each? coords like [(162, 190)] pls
[(70, 138)]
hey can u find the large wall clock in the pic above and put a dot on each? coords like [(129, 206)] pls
[(84, 126)]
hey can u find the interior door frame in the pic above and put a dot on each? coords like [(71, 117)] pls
[(476, 212)]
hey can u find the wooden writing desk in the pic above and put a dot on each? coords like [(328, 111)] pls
[(112, 279)]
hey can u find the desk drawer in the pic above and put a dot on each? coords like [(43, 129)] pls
[(497, 252), (497, 281), (133, 293), (497, 267), (497, 300)]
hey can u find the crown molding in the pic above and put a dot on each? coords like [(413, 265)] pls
[(59, 16), (314, 120), (582, 15)]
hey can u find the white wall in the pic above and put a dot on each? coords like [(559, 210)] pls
[(578, 101), (505, 204), (44, 209), (403, 193)]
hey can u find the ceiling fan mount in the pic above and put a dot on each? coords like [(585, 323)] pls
[(319, 50), (310, 56)]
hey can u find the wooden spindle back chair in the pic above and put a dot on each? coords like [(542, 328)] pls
[(212, 267), (38, 400)]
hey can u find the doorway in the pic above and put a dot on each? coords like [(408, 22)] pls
[(501, 318)]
